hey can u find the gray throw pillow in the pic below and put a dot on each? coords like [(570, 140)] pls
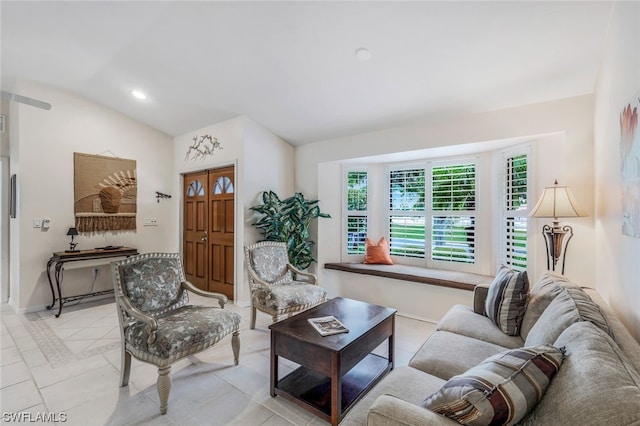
[(507, 298), (501, 390)]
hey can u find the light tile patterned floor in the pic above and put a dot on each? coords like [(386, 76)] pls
[(68, 367)]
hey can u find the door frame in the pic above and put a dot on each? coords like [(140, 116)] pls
[(239, 218)]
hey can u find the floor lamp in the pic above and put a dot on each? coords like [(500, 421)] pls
[(556, 202)]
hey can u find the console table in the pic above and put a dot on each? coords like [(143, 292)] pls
[(61, 257)]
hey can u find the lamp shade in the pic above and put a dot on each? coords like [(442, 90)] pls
[(72, 231), (557, 201)]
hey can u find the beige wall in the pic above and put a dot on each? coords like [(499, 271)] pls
[(617, 256), (262, 160), (561, 131), (42, 147)]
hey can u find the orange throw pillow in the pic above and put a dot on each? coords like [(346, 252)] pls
[(377, 253)]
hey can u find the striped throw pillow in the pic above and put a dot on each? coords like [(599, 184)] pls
[(501, 390), (507, 298)]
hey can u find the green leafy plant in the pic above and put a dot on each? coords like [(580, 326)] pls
[(288, 221)]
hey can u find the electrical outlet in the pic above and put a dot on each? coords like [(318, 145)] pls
[(150, 221), (95, 273)]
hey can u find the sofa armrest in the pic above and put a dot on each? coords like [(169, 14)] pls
[(389, 410), (479, 297)]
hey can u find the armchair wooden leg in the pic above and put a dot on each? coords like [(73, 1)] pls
[(235, 345), (253, 318), (164, 387), (125, 368)]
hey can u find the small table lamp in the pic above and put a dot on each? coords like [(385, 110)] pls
[(556, 201), (72, 246)]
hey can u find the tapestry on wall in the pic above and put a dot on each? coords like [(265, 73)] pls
[(105, 190), (630, 168)]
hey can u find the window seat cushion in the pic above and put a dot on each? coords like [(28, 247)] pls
[(439, 277)]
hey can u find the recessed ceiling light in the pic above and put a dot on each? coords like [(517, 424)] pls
[(138, 95), (363, 54)]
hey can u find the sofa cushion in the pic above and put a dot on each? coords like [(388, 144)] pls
[(389, 410), (461, 319), (405, 383), (595, 386), (623, 338), (446, 354), (500, 390), (507, 298), (540, 296), (282, 297), (569, 306), (182, 330)]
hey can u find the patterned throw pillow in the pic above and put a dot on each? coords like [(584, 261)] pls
[(501, 390), (507, 298), (377, 253)]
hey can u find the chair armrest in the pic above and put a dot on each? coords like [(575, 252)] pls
[(222, 299), (313, 279), (257, 280), (140, 316), (388, 410), (479, 297)]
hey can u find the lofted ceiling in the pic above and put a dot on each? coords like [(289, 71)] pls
[(291, 66)]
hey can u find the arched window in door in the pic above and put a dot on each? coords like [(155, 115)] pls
[(195, 189), (223, 186)]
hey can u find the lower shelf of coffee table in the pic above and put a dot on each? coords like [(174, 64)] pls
[(314, 389)]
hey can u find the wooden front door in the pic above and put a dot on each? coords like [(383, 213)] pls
[(222, 219), (209, 217)]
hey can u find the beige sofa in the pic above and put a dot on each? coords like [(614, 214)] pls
[(597, 384)]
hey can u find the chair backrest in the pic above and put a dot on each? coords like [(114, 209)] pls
[(269, 259), (152, 282)]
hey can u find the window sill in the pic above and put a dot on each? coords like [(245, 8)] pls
[(437, 277)]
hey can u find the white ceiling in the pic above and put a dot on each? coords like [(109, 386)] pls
[(291, 66)]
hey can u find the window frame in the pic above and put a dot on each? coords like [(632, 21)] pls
[(346, 213), (489, 233), (409, 260), (504, 213), (448, 264)]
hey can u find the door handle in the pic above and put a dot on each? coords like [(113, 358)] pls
[(204, 238)]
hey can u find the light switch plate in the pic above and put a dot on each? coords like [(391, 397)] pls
[(37, 222)]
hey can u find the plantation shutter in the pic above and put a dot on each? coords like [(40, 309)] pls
[(515, 197), (453, 195), (407, 212), (357, 216)]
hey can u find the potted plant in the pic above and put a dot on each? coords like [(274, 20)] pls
[(288, 221)]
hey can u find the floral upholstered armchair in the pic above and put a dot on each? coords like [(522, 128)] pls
[(156, 323), (273, 289)]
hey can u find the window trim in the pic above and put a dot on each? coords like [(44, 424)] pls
[(489, 235), (477, 163), (346, 169), (504, 214), (408, 260)]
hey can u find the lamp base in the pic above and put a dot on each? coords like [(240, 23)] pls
[(556, 244)]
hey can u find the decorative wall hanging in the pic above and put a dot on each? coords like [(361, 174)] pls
[(202, 147), (105, 191), (630, 168)]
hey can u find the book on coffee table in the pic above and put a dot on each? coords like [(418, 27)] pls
[(328, 325)]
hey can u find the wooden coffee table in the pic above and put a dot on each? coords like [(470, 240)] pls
[(337, 370)]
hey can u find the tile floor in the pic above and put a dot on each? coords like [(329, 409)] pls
[(68, 368)]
